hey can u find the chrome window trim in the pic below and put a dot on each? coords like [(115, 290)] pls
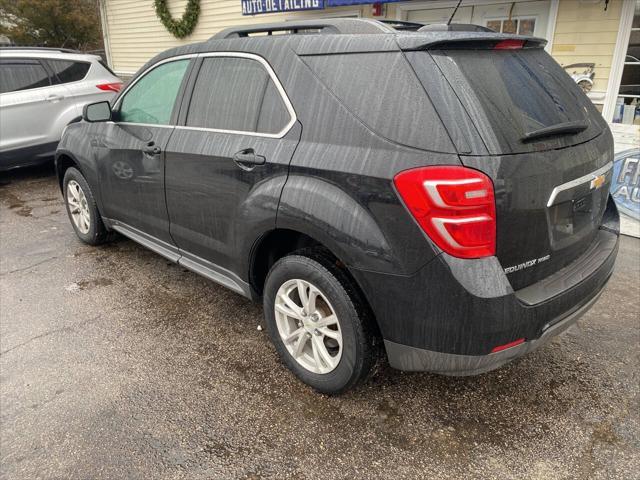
[(272, 74), (578, 181)]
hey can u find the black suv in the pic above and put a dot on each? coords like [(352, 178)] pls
[(441, 193)]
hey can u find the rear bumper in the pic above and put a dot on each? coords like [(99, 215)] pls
[(450, 315), (404, 357)]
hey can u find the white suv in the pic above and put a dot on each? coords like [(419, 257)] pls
[(41, 92)]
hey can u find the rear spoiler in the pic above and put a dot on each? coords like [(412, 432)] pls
[(428, 40)]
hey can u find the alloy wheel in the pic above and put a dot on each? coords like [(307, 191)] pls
[(78, 207), (308, 326)]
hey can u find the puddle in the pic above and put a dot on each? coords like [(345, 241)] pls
[(88, 284), (96, 282), (17, 205)]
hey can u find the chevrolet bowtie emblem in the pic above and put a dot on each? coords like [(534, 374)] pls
[(597, 182)]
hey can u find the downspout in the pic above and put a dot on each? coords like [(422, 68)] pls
[(105, 32)]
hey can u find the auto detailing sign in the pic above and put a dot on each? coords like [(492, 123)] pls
[(256, 7)]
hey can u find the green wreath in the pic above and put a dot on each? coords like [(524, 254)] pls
[(178, 28)]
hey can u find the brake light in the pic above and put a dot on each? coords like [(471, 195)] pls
[(509, 45), (455, 206), (110, 87)]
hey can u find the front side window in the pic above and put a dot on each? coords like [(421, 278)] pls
[(236, 94), (16, 75), (68, 71), (150, 100)]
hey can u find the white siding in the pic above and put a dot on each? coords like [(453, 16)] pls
[(136, 34)]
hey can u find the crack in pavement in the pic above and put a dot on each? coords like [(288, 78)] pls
[(29, 266), (52, 332)]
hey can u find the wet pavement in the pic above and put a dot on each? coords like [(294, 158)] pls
[(115, 363)]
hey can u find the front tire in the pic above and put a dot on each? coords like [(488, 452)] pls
[(317, 322), (82, 209)]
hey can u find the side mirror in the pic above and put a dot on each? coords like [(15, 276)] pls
[(97, 112)]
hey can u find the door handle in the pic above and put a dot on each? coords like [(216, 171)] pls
[(54, 98), (248, 157), (151, 149)]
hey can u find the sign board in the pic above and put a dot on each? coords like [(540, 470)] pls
[(343, 3), (256, 7), (625, 184), (625, 189)]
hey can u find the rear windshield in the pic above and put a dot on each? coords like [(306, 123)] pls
[(511, 93)]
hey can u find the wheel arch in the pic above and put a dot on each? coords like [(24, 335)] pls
[(64, 160), (280, 242)]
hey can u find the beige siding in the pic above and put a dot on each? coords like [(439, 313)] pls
[(585, 32), (136, 34)]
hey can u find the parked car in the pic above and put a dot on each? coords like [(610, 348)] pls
[(372, 188), (41, 92)]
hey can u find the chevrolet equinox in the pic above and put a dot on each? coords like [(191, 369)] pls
[(441, 196)]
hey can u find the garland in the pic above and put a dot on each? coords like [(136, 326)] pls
[(178, 28)]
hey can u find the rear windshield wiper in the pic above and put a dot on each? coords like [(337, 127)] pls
[(557, 129)]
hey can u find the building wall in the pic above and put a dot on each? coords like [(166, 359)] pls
[(136, 34), (585, 33)]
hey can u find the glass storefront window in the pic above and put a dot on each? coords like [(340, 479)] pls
[(521, 26), (627, 109)]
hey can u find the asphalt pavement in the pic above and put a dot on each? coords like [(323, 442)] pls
[(115, 363)]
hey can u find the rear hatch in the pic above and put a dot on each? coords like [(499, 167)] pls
[(520, 119)]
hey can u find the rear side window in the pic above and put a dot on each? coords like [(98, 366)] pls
[(511, 93), (16, 75), (151, 99), (382, 90), (236, 94), (68, 71)]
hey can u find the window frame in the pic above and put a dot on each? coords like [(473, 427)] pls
[(50, 74), (54, 75), (178, 116), (273, 77)]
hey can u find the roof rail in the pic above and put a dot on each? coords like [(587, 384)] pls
[(405, 26), (330, 25), (46, 49)]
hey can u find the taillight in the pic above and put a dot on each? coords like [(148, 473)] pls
[(509, 45), (455, 206), (110, 87)]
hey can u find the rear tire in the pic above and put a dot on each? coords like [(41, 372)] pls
[(82, 209), (338, 354)]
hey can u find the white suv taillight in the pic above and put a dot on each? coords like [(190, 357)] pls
[(455, 206), (110, 87)]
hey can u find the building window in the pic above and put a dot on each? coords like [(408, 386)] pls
[(627, 108), (521, 26)]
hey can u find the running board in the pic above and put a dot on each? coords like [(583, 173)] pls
[(196, 264)]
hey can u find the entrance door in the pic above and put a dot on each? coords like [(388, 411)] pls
[(526, 18)]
